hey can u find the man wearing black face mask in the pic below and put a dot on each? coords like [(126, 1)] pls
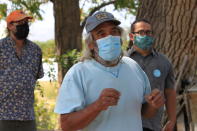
[(22, 31), (20, 67), (159, 71)]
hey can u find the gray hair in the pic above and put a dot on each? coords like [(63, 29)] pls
[(87, 52)]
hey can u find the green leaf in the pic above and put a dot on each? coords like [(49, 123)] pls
[(30, 6), (3, 10)]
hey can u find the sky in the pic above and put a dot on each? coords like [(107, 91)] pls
[(44, 30)]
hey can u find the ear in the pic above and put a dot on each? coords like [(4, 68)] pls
[(131, 36), (11, 27), (91, 46)]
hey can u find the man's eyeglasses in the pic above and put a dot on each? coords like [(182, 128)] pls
[(144, 32)]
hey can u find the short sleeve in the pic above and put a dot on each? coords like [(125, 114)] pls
[(38, 52), (143, 76), (147, 87), (70, 97), (170, 79), (40, 73)]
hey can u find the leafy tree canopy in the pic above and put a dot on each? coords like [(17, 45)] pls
[(32, 7)]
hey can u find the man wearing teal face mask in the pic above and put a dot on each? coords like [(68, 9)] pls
[(159, 71), (95, 94)]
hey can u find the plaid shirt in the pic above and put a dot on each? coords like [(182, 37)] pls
[(18, 77)]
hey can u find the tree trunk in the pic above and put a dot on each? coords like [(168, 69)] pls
[(174, 23), (67, 29)]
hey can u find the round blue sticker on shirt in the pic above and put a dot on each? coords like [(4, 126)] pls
[(157, 73)]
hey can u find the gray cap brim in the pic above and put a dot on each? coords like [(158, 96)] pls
[(98, 18), (116, 22)]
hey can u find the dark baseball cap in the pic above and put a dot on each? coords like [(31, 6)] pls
[(98, 18)]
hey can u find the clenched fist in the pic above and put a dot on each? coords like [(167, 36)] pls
[(155, 99), (108, 97)]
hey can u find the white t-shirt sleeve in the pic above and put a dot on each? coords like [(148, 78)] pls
[(70, 97), (143, 76), (147, 87)]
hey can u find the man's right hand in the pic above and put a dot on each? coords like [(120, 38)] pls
[(156, 99), (108, 97), (80, 119)]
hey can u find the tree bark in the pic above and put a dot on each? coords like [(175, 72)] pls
[(174, 23), (68, 33)]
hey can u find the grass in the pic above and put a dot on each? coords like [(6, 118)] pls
[(50, 89), (45, 99)]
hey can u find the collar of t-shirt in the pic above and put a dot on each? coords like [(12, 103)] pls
[(114, 71)]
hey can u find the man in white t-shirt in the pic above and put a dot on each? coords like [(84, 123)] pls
[(105, 91)]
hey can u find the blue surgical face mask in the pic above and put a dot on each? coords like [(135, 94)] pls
[(144, 42), (109, 48)]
